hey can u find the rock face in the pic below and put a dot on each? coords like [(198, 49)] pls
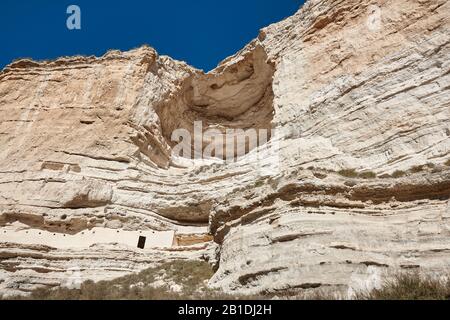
[(353, 177)]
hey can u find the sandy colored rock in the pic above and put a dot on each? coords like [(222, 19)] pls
[(353, 179)]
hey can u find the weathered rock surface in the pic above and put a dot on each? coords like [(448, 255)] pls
[(360, 85)]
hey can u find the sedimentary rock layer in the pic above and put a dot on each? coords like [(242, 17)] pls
[(354, 176)]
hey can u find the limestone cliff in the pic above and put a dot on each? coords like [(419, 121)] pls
[(354, 176)]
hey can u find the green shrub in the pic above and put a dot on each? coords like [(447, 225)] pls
[(350, 184), (259, 183), (431, 165), (320, 175), (352, 173), (398, 174), (410, 286), (348, 173), (367, 175), (417, 169), (189, 274)]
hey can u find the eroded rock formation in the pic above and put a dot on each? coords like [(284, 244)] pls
[(354, 176)]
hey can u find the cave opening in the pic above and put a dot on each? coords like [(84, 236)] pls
[(224, 114)]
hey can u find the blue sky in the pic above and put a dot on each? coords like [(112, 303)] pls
[(199, 32)]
